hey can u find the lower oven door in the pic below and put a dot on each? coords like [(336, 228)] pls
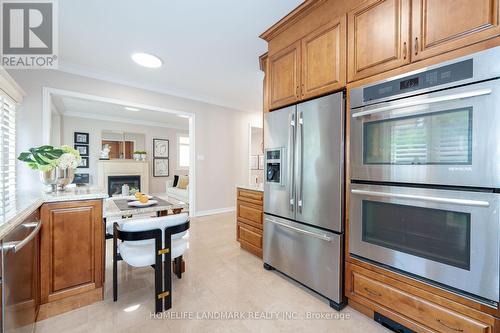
[(447, 237)]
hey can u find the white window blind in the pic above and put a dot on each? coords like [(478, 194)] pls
[(7, 153), (183, 152)]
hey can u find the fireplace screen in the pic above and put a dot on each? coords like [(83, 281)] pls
[(115, 184)]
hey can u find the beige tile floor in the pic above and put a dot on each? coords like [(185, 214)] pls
[(220, 278)]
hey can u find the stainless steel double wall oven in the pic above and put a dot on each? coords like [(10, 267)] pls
[(425, 175)]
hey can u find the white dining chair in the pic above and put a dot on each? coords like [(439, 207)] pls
[(152, 242)]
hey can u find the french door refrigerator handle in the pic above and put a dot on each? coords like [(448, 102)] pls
[(305, 232), (431, 100), (461, 202), (300, 160), (290, 175)]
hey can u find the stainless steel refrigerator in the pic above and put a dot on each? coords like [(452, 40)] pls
[(303, 194)]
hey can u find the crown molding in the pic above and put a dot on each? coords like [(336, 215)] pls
[(299, 12), (78, 70), (122, 120)]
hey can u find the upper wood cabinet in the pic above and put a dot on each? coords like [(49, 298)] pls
[(313, 66), (378, 37), (439, 26), (284, 76), (264, 61), (323, 59)]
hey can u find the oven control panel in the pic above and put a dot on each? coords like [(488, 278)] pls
[(432, 78)]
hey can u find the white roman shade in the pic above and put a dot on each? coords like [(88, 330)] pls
[(10, 96)]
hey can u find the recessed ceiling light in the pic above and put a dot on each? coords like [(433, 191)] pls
[(147, 60), (131, 108), (183, 116)]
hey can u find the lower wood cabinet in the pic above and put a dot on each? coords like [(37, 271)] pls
[(249, 216), (71, 255), (417, 309)]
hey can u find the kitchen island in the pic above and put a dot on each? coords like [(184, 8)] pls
[(68, 273)]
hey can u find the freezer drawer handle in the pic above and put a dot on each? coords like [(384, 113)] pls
[(461, 202), (305, 232), (431, 100), (18, 245)]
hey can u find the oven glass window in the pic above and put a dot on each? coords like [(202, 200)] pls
[(434, 234), (443, 137)]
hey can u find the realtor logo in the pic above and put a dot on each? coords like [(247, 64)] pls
[(29, 34)]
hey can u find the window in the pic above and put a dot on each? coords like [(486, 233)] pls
[(7, 152), (443, 137), (183, 154)]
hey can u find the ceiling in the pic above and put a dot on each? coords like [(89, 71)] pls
[(210, 49), (84, 108)]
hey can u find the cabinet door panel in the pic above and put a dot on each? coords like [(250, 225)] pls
[(71, 248), (378, 37), (323, 59), (439, 26), (284, 76)]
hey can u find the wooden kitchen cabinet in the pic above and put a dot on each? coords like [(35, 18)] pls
[(249, 220), (439, 26), (378, 40), (72, 245), (284, 76), (323, 59), (417, 309)]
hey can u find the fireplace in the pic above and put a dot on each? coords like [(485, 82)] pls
[(115, 184)]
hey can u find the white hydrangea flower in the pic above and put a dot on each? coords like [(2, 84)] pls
[(68, 160)]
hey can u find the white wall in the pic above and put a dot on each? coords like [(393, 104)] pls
[(257, 176), (95, 128), (221, 133)]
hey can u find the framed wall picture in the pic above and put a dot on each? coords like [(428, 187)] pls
[(82, 149), (81, 138), (84, 163), (160, 167), (261, 162), (160, 148)]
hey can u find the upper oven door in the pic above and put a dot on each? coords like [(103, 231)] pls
[(448, 137), (450, 237)]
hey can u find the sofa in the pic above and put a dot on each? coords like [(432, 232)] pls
[(177, 193)]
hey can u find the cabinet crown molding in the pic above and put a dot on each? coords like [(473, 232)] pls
[(295, 15)]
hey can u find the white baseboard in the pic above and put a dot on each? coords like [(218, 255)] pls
[(215, 211)]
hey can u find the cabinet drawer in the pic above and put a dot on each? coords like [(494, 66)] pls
[(250, 238), (249, 213), (413, 307), (250, 196)]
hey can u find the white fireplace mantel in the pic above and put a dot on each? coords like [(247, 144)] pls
[(123, 168)]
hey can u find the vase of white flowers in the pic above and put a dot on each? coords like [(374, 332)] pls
[(56, 164)]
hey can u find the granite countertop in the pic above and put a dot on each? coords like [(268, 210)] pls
[(27, 202), (253, 187)]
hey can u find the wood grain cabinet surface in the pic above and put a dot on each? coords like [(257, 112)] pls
[(378, 37), (439, 26), (312, 66), (249, 220), (72, 245), (413, 307), (323, 59), (284, 76)]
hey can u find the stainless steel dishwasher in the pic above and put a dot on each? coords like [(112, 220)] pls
[(20, 278)]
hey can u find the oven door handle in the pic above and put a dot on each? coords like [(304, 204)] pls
[(461, 202), (430, 100)]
